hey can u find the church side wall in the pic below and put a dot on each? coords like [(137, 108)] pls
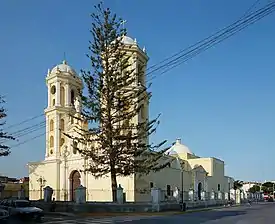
[(206, 163), (171, 176), (218, 175), (100, 189), (41, 175), (215, 168)]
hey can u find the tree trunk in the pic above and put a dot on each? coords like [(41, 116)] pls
[(114, 185)]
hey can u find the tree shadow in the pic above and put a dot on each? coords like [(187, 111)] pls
[(216, 215)]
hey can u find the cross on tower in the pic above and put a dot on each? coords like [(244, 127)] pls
[(123, 23)]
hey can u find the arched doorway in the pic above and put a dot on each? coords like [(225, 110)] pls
[(74, 183), (199, 190)]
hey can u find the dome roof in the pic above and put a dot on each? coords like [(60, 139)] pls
[(178, 148), (128, 40), (64, 67)]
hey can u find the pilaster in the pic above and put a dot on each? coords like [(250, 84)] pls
[(57, 135), (58, 180), (57, 93), (47, 137), (49, 96), (67, 95)]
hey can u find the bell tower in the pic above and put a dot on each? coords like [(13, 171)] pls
[(138, 60), (64, 87)]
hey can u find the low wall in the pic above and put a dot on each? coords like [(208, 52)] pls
[(126, 207)]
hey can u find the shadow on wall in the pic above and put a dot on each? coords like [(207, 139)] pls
[(32, 173)]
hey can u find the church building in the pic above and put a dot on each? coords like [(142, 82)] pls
[(62, 165)]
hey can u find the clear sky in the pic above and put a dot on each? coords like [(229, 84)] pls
[(221, 103)]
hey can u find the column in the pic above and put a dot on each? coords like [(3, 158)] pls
[(85, 173), (205, 184), (195, 188), (57, 93), (67, 95), (47, 137), (64, 191), (156, 198), (57, 135), (49, 96), (57, 193), (87, 181)]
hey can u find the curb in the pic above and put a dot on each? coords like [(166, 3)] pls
[(115, 214), (147, 214), (65, 214)]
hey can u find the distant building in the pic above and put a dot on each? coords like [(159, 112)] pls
[(5, 179), (247, 185), (13, 185), (24, 180)]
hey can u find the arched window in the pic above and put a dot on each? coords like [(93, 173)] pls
[(72, 96), (53, 90), (62, 96), (51, 125), (62, 125), (219, 187), (62, 141), (74, 147), (51, 141), (53, 102)]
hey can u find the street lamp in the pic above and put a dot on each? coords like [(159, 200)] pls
[(182, 182), (41, 182), (65, 155), (273, 191), (2, 187)]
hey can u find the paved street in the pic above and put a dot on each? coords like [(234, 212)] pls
[(257, 214)]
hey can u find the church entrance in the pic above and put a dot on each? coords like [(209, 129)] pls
[(199, 190), (74, 183)]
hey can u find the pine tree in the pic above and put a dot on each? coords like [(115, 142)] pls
[(115, 145), (4, 149)]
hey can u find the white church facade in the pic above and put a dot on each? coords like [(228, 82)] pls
[(62, 165)]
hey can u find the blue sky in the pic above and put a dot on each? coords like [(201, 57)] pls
[(221, 103)]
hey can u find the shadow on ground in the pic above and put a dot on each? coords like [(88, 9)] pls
[(208, 216)]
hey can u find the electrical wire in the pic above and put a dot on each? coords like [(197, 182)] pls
[(212, 40), (25, 131), (28, 140), (230, 30), (24, 121)]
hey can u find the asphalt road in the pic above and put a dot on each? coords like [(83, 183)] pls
[(256, 214)]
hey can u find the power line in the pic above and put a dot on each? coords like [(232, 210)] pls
[(28, 140), (203, 40), (31, 139), (26, 131), (235, 27), (199, 50), (250, 8), (225, 32), (24, 121)]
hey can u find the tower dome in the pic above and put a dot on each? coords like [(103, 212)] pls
[(128, 40), (178, 148), (64, 68)]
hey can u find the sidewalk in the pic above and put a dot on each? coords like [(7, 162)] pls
[(115, 214)]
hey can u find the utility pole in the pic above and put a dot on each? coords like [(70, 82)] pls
[(273, 191), (183, 207)]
